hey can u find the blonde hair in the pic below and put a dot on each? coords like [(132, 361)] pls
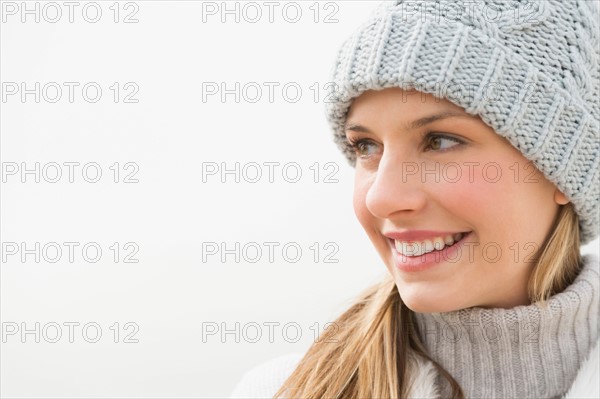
[(367, 353)]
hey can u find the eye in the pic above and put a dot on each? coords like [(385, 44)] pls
[(440, 142), (360, 146), (431, 142)]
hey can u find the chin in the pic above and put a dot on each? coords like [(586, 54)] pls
[(421, 304), (423, 307)]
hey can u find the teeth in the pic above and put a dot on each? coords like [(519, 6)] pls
[(438, 243), (449, 240), (426, 246)]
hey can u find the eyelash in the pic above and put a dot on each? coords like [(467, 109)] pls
[(427, 136)]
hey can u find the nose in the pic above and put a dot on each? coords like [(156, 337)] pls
[(397, 189)]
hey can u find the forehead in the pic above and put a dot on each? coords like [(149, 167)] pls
[(394, 96), (401, 106)]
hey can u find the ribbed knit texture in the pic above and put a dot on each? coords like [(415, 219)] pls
[(530, 70), (522, 352)]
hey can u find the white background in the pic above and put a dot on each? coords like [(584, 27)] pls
[(171, 293)]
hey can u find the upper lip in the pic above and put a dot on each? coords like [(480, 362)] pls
[(418, 235)]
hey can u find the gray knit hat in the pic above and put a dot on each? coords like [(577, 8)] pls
[(530, 70)]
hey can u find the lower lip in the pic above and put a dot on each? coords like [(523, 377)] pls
[(427, 261)]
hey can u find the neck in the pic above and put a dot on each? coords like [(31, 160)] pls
[(522, 351)]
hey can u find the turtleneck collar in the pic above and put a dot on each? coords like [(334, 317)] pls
[(525, 351)]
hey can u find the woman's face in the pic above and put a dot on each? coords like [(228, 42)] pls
[(453, 209)]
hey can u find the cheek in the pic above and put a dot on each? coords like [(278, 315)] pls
[(361, 187), (369, 222), (499, 202), (472, 201)]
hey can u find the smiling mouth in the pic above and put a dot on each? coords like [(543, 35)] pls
[(422, 247)]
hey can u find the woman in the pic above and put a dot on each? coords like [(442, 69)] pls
[(475, 139)]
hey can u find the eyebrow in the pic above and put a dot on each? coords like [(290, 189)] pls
[(414, 124)]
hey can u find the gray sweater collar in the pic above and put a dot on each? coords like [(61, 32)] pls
[(525, 351)]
